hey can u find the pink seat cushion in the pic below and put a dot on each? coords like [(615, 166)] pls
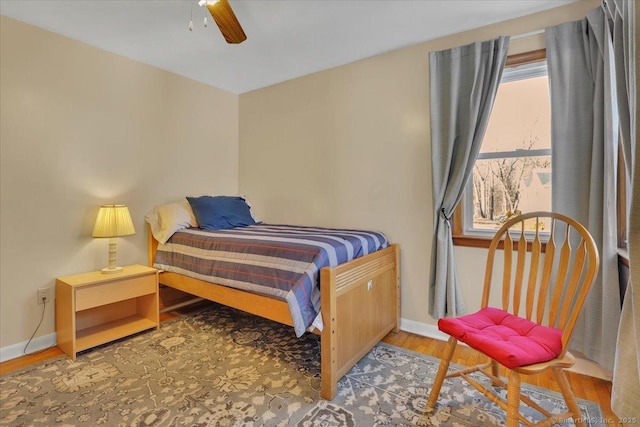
[(511, 340)]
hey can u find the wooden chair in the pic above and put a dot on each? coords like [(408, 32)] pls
[(551, 281)]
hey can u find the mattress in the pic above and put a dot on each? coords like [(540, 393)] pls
[(280, 261)]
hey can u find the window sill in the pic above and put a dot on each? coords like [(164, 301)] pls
[(483, 242), (472, 241)]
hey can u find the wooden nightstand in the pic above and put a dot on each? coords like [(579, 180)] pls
[(95, 308)]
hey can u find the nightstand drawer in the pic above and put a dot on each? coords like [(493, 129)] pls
[(102, 294)]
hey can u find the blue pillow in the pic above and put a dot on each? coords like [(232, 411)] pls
[(220, 212)]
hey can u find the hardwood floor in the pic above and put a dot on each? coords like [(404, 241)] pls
[(584, 387)]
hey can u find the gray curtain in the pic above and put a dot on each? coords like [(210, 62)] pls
[(584, 132), (462, 85), (625, 394)]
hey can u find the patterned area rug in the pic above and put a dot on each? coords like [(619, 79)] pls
[(221, 367)]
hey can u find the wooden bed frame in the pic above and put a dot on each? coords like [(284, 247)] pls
[(360, 305)]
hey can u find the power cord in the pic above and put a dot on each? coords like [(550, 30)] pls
[(44, 307)]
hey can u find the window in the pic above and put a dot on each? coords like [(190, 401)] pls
[(513, 171)]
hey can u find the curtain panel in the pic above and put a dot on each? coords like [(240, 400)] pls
[(584, 132), (593, 96), (463, 82), (625, 394)]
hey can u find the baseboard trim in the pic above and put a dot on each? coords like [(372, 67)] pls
[(423, 329), (17, 350), (582, 366), (591, 368)]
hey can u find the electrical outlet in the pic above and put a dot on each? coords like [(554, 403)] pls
[(44, 295)]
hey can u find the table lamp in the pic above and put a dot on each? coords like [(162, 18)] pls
[(113, 221)]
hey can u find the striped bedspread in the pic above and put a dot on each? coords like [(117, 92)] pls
[(282, 261)]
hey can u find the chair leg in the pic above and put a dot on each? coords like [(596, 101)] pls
[(513, 399), (569, 398), (495, 371), (442, 373)]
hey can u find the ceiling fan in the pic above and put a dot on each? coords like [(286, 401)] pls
[(225, 19)]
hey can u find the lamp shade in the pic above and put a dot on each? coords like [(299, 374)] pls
[(113, 221)]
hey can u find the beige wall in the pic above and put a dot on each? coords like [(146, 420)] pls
[(350, 147), (346, 147), (81, 127)]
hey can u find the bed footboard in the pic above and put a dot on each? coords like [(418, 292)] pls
[(360, 305)]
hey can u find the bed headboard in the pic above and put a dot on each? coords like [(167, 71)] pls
[(152, 246)]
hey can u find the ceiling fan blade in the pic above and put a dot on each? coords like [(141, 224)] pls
[(227, 22)]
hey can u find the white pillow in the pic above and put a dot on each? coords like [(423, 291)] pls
[(168, 218)]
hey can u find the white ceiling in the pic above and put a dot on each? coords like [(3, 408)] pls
[(285, 38)]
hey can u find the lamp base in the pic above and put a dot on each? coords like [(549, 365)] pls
[(110, 270)]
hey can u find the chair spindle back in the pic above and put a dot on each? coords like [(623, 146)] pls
[(556, 276)]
